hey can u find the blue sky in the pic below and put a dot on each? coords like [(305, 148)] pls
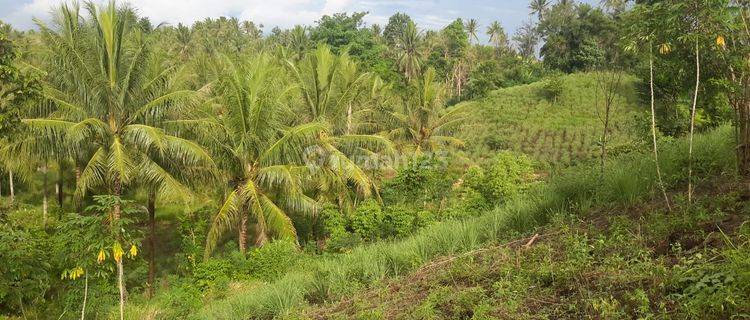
[(429, 14)]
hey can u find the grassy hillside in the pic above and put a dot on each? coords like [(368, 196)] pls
[(637, 261), (629, 182), (560, 131)]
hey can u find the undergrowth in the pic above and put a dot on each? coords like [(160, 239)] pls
[(627, 180)]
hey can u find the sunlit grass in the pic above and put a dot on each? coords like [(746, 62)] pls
[(627, 179)]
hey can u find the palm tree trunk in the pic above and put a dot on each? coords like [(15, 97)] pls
[(692, 122), (653, 132), (243, 233), (12, 189), (85, 296), (151, 243)]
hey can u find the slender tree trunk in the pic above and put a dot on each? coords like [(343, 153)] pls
[(120, 273), (85, 295), (12, 189), (653, 131), (45, 204), (151, 243), (692, 122), (604, 140), (242, 229), (243, 233), (743, 123), (121, 286)]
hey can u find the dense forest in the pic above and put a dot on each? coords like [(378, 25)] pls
[(594, 164)]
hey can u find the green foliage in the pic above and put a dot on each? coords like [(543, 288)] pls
[(16, 88), (213, 274), (272, 260), (366, 220), (504, 177), (522, 119), (569, 193), (553, 88), (424, 179), (576, 36), (26, 272)]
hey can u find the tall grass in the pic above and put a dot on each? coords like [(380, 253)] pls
[(627, 179)]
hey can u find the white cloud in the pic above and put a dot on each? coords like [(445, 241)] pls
[(284, 13)]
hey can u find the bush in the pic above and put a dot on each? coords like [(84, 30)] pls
[(272, 260), (423, 180), (366, 219), (334, 223), (553, 88), (398, 220), (503, 178), (213, 274)]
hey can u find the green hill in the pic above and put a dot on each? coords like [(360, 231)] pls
[(558, 131), (630, 251)]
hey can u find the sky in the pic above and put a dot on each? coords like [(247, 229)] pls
[(428, 14)]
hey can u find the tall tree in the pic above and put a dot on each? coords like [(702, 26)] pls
[(104, 100), (332, 90), (397, 25), (472, 27), (526, 40), (423, 122), (17, 89), (260, 155), (408, 51), (539, 8), (497, 35)]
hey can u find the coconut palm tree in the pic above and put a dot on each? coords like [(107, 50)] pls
[(262, 157), (408, 52), (422, 122), (298, 41), (539, 8), (333, 92), (497, 35), (106, 101), (472, 27)]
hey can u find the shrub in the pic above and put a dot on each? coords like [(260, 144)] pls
[(398, 221), (366, 220), (553, 88), (272, 260), (424, 179), (343, 242), (334, 223), (505, 177), (212, 274)]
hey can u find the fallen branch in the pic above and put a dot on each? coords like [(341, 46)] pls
[(531, 241)]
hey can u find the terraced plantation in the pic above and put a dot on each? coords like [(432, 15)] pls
[(559, 132)]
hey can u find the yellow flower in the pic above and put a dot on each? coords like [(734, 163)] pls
[(76, 273), (117, 251), (721, 42), (665, 48), (133, 251), (100, 258)]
